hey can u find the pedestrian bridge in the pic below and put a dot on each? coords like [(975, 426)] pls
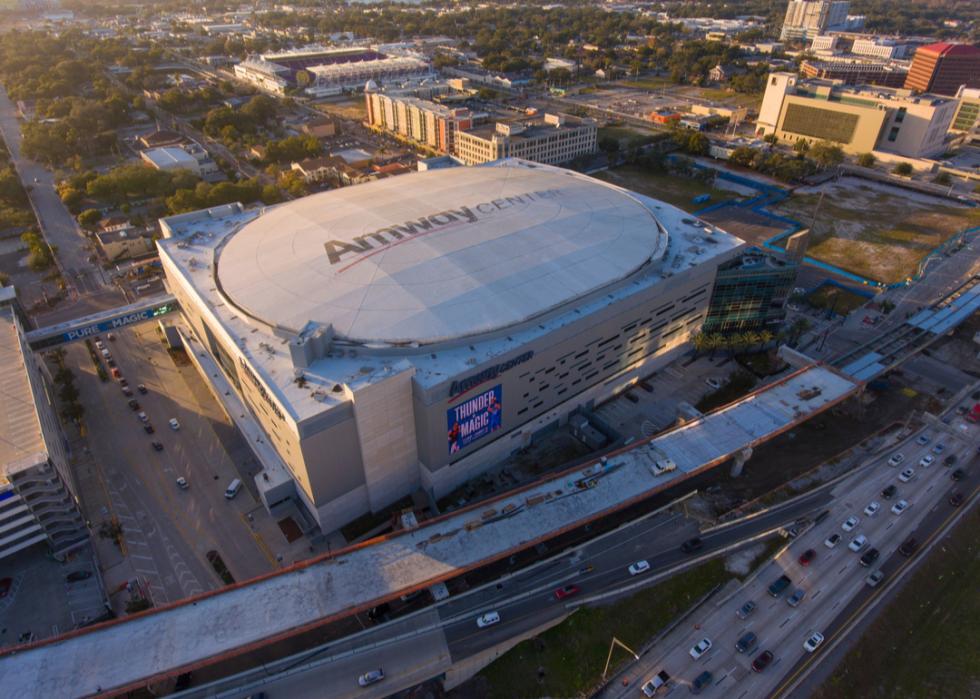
[(104, 321)]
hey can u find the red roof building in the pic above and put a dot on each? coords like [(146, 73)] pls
[(941, 68)]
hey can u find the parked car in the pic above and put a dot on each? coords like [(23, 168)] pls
[(174, 425), (78, 575), (762, 661), (142, 416), (116, 374), (157, 446), (182, 483), (926, 461), (872, 509), (807, 556), (488, 619), (701, 681), (747, 643), (566, 591), (745, 610), (888, 492), (692, 545), (869, 557), (797, 597), (133, 404), (639, 567), (900, 507), (142, 389), (148, 428), (813, 642), (938, 448), (896, 459), (372, 677), (874, 578), (908, 547), (922, 440), (127, 391), (832, 541), (906, 475), (850, 523), (700, 648), (858, 543)]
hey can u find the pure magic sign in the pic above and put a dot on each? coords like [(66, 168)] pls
[(474, 418)]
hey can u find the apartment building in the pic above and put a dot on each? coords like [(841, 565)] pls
[(425, 122)]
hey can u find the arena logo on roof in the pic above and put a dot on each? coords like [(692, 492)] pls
[(390, 235)]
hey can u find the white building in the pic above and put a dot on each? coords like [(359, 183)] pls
[(411, 332), (808, 18), (878, 47), (171, 158)]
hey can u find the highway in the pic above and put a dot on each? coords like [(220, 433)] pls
[(834, 582), (447, 633)]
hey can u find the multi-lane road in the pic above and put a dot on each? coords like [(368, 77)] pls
[(833, 582)]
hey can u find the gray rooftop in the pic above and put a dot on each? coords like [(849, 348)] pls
[(21, 443)]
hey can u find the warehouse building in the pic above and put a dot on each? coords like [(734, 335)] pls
[(411, 332)]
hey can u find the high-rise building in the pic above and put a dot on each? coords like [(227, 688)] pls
[(750, 293), (806, 19), (943, 68)]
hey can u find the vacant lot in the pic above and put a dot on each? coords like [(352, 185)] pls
[(673, 189), (875, 231), (345, 109), (932, 627), (720, 95)]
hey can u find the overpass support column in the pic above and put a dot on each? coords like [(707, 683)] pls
[(740, 460)]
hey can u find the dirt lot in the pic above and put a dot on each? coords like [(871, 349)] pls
[(345, 109), (885, 246)]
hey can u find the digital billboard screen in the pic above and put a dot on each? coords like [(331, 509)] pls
[(474, 418)]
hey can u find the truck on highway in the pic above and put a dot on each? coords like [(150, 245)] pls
[(779, 585), (652, 686)]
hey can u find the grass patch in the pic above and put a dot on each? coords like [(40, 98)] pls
[(627, 137), (739, 383), (937, 612), (841, 300), (673, 189), (573, 653), (648, 83)]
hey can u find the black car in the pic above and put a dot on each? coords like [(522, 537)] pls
[(950, 460), (869, 557), (142, 389), (909, 547), (134, 404), (149, 428), (692, 545), (78, 575), (957, 475), (956, 499), (156, 446), (631, 398), (762, 661), (746, 643), (888, 492), (701, 681)]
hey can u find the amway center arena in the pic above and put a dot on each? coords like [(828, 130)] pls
[(413, 331)]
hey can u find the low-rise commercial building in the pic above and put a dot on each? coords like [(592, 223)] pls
[(38, 503), (750, 293), (856, 72), (860, 118), (551, 139), (171, 158), (126, 243)]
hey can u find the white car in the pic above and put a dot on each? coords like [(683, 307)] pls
[(142, 416), (700, 648), (369, 678), (182, 483), (639, 567), (896, 459), (858, 543), (488, 619), (922, 440), (832, 541), (812, 643), (872, 509), (927, 460), (174, 425), (850, 523), (900, 507), (906, 475)]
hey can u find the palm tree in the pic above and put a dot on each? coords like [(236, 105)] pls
[(765, 337)]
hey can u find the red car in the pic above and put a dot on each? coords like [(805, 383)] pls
[(807, 556), (762, 661), (567, 591)]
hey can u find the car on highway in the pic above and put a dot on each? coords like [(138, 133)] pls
[(956, 499), (938, 448), (807, 556), (850, 523), (906, 475), (872, 509), (797, 597), (174, 425), (488, 619), (896, 459), (813, 642), (747, 643), (692, 545), (182, 483), (638, 567), (957, 475), (888, 492), (874, 578), (157, 446), (922, 440), (858, 543), (372, 677), (700, 648), (908, 547), (78, 575), (762, 661), (832, 541), (869, 557), (655, 684), (566, 591), (926, 461), (900, 507), (701, 681), (745, 610), (778, 585)]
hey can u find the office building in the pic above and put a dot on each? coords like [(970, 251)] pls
[(806, 19), (552, 139), (409, 333), (943, 68), (38, 504), (856, 72), (861, 118), (750, 293)]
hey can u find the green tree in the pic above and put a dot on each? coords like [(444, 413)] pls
[(826, 154), (943, 179), (866, 160), (90, 218), (903, 169)]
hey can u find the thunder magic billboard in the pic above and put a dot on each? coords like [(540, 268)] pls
[(474, 418)]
